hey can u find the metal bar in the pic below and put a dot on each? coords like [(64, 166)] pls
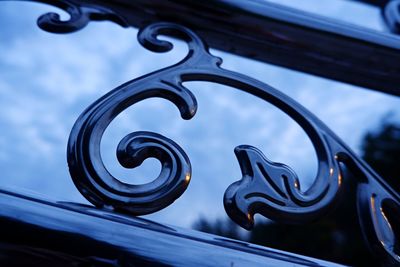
[(279, 35), (378, 3), (41, 233)]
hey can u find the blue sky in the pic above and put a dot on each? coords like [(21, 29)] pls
[(47, 80)]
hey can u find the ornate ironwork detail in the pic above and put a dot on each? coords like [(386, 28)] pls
[(391, 14), (390, 10), (86, 167), (80, 15), (273, 189), (269, 188)]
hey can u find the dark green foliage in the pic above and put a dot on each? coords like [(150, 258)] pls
[(337, 237)]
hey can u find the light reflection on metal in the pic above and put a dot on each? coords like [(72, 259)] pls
[(268, 32), (386, 219), (376, 227), (269, 188), (187, 177), (38, 232)]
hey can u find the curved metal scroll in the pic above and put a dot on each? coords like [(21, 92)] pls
[(269, 188), (391, 15), (86, 167), (390, 10), (80, 16)]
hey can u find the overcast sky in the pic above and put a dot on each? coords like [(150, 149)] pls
[(47, 80)]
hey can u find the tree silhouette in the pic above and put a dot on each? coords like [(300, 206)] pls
[(382, 152), (222, 227), (337, 237)]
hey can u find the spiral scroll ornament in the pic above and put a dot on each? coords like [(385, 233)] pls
[(391, 15), (269, 188), (80, 15)]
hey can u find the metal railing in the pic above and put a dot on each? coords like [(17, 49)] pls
[(261, 31)]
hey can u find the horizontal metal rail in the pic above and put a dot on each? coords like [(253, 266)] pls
[(42, 233), (279, 35)]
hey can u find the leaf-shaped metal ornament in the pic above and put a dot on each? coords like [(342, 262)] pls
[(269, 188)]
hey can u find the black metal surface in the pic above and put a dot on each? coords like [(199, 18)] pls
[(271, 189), (391, 14), (268, 188), (260, 30), (275, 34), (84, 159), (36, 232), (80, 15)]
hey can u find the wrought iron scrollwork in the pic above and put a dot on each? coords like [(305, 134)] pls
[(80, 16), (391, 14), (269, 188), (87, 169)]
